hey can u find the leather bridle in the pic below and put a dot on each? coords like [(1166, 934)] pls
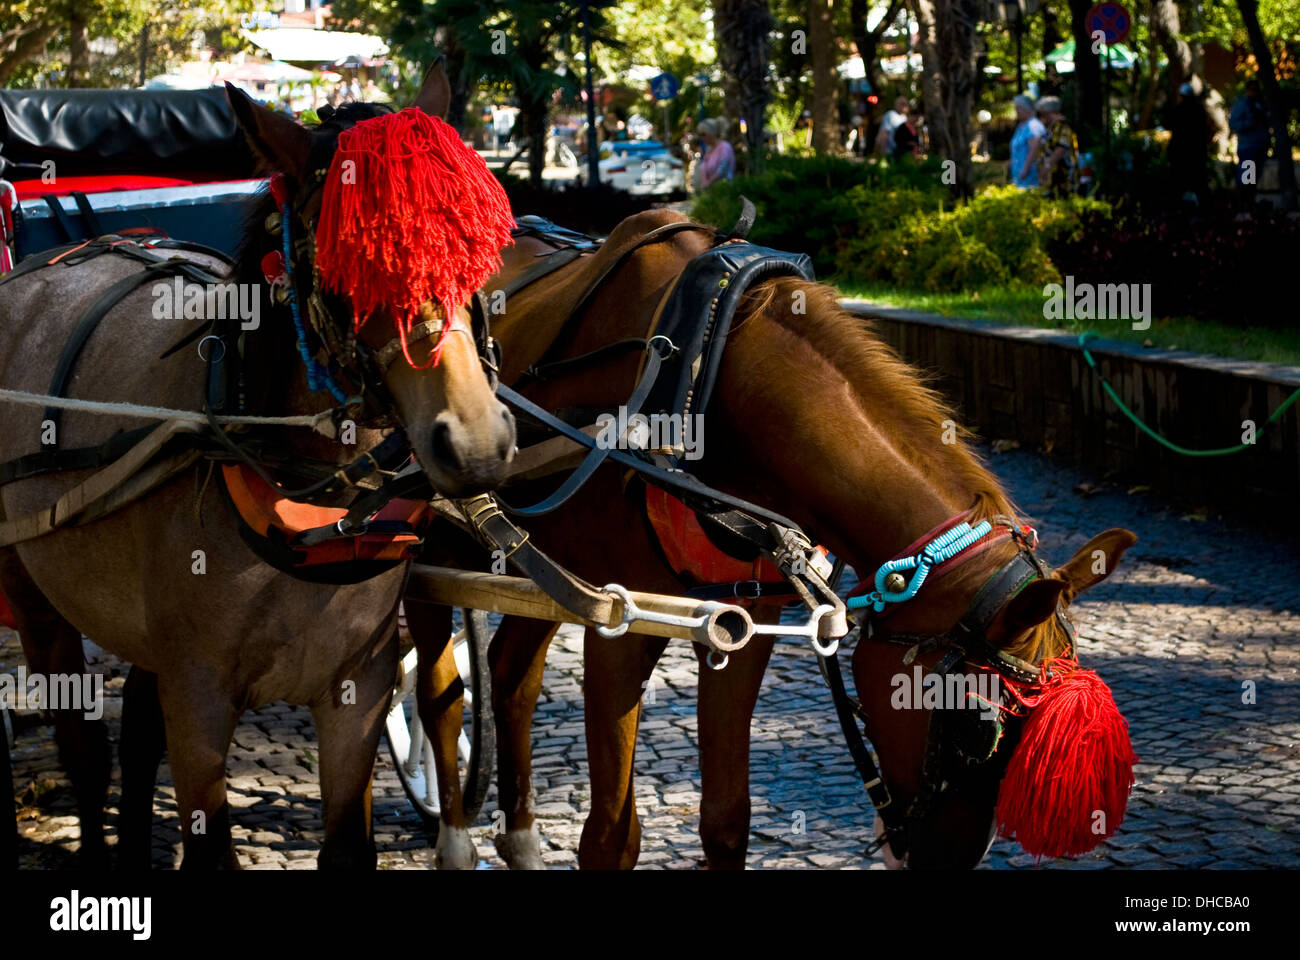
[(329, 336), (966, 640)]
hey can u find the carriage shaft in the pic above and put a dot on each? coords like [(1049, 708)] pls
[(496, 593)]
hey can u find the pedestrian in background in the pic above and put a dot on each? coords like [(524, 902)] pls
[(1188, 143), (719, 160), (1249, 121), (1058, 173), (907, 137), (894, 119), (1026, 144)]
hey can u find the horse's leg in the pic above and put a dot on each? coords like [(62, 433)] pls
[(143, 743), (726, 706), (614, 674), (348, 729), (439, 696), (518, 660), (51, 646), (200, 722)]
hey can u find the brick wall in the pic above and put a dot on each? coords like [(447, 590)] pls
[(1034, 386)]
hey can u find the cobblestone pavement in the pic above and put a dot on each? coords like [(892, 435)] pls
[(1200, 611)]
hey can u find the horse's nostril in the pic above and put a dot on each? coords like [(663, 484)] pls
[(442, 445)]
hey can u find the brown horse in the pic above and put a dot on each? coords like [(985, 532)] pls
[(168, 582), (813, 416)]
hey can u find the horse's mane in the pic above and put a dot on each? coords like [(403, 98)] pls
[(851, 345)]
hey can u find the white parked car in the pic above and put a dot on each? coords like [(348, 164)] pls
[(639, 167)]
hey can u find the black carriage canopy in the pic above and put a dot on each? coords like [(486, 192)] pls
[(178, 133)]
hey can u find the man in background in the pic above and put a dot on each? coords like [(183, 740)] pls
[(894, 119), (1249, 121)]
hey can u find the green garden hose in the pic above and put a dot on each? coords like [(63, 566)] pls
[(1220, 452)]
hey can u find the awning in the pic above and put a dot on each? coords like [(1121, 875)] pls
[(316, 46), (1121, 57), (277, 71)]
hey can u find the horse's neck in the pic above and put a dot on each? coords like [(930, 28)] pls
[(279, 387), (788, 427)]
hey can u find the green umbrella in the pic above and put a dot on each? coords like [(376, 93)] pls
[(1121, 57)]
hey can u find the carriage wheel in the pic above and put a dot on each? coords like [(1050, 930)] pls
[(411, 750)]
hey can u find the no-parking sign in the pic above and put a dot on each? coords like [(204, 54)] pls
[(1109, 19)]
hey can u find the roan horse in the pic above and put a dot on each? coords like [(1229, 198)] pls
[(167, 582), (812, 415)]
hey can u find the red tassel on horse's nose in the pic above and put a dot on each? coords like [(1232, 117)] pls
[(1068, 780)]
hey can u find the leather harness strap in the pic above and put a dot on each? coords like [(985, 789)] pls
[(547, 264), (99, 485), (659, 233)]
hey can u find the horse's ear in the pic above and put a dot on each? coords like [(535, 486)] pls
[(435, 93), (280, 142), (1032, 605), (1095, 562)]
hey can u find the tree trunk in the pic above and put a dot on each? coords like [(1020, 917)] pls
[(821, 44), (1273, 96), (741, 30), (28, 45), (1153, 87), (1165, 29), (454, 54), (1052, 38), (948, 49), (868, 41), (144, 54), (78, 49), (1087, 75)]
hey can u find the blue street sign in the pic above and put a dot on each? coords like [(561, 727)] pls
[(664, 86)]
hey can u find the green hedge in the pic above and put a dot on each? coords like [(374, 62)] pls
[(895, 223)]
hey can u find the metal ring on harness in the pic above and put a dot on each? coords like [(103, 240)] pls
[(216, 359), (672, 347)]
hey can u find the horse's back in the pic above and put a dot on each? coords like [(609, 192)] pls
[(40, 312), (537, 314)]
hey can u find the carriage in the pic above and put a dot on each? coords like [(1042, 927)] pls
[(168, 171)]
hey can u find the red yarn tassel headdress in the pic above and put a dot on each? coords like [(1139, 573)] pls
[(409, 214), (1067, 783)]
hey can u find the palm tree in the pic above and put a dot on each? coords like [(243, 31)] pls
[(740, 32)]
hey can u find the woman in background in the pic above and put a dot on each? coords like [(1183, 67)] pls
[(719, 161), (1026, 145)]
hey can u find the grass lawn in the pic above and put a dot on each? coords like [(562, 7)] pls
[(1025, 308)]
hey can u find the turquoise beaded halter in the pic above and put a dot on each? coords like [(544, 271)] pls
[(939, 550)]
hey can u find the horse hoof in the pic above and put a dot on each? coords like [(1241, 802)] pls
[(521, 849), (455, 849)]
